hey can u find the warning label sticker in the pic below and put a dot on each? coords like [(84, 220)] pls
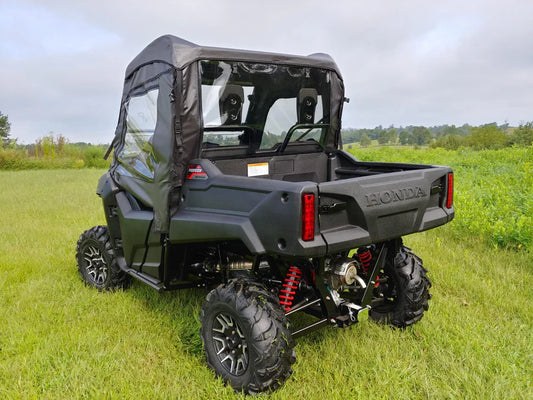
[(258, 169)]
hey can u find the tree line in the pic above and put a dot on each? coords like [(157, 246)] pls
[(55, 151), (487, 136)]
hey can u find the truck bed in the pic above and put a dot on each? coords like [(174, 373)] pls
[(257, 199)]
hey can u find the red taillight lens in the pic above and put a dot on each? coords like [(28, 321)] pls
[(308, 217), (449, 192), (196, 172)]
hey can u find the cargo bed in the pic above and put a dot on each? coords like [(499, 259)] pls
[(257, 199)]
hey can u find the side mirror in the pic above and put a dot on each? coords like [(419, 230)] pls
[(307, 99), (230, 103)]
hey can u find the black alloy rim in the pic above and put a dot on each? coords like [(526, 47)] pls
[(230, 344)]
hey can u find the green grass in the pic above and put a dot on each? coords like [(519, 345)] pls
[(493, 190), (60, 339)]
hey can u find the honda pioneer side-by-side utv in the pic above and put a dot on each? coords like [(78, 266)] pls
[(228, 174)]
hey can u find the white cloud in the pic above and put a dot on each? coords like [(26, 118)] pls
[(411, 62), (30, 30)]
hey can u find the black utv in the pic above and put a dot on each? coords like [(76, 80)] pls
[(228, 173)]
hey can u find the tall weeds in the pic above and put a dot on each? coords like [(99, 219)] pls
[(53, 152), (493, 190)]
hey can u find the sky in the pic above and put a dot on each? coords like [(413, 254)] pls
[(410, 62)]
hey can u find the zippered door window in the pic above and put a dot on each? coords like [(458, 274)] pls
[(141, 117)]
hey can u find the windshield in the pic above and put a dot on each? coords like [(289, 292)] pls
[(263, 106)]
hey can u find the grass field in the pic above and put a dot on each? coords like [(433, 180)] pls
[(60, 339)]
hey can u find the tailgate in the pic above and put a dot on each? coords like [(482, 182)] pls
[(360, 211)]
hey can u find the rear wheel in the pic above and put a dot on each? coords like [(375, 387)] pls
[(246, 336), (405, 295), (97, 264)]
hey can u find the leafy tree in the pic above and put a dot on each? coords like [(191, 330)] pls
[(487, 136), (421, 135), (449, 142), (383, 137), (451, 130), (404, 137), (387, 136), (48, 143), (523, 135), (61, 141), (365, 140), (374, 133), (392, 135), (5, 127), (351, 135)]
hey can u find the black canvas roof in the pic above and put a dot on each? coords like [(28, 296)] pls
[(179, 53)]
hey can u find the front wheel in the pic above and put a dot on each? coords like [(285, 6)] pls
[(404, 297), (246, 336)]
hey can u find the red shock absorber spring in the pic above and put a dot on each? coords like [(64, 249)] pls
[(365, 256), (292, 281)]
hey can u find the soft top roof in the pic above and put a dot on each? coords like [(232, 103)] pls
[(179, 53), (170, 64)]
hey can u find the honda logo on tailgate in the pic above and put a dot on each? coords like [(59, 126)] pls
[(392, 196)]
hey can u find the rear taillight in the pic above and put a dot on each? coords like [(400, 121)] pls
[(308, 217), (449, 192), (196, 172)]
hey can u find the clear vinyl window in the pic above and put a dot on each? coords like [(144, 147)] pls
[(141, 117), (263, 106), (280, 119)]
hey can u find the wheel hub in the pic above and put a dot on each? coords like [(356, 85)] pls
[(230, 344), (96, 266)]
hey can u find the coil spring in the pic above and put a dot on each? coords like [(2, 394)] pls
[(365, 256), (292, 282)]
